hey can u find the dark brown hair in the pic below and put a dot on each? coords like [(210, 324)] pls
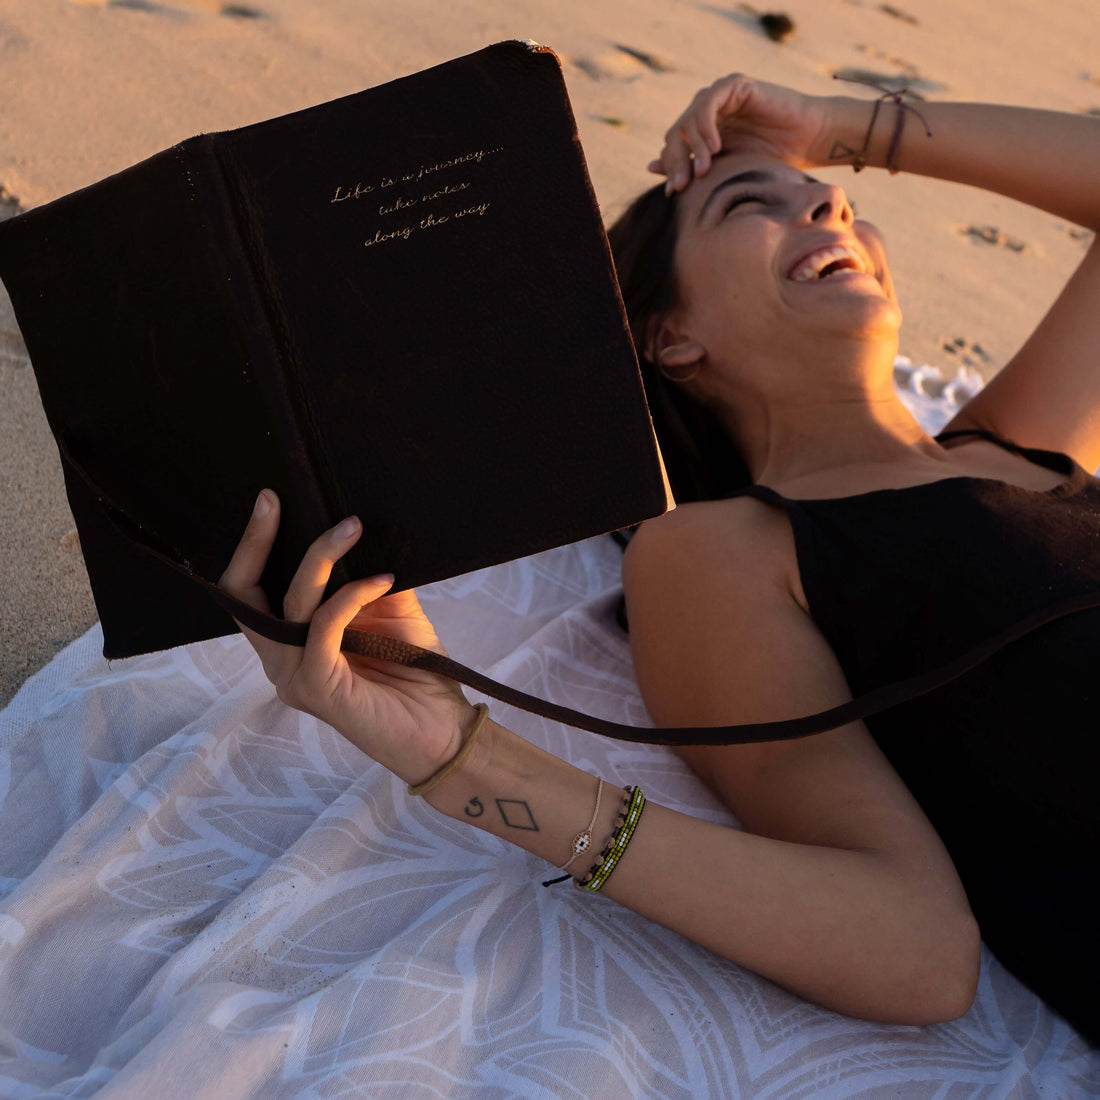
[(702, 461)]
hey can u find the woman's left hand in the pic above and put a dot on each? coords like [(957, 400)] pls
[(409, 720), (746, 115)]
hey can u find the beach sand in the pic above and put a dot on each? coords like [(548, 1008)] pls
[(92, 86)]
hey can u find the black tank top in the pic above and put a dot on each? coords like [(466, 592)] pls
[(1004, 760)]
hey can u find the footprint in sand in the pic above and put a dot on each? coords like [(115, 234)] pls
[(1077, 232), (990, 234), (908, 78), (906, 68), (180, 9), (970, 354), (621, 63), (897, 13)]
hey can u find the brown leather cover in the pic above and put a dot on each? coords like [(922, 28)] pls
[(399, 304)]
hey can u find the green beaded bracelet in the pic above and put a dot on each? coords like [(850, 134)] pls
[(620, 820), (608, 859)]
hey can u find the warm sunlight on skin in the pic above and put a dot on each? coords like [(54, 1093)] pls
[(786, 362), (737, 242)]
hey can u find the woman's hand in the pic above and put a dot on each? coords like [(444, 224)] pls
[(740, 114), (410, 721)]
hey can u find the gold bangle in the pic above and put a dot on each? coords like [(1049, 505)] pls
[(423, 788)]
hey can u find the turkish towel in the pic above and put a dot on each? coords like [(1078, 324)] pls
[(206, 893)]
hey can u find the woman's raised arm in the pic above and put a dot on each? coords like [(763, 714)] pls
[(1047, 159), (1048, 394)]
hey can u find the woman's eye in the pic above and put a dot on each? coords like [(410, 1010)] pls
[(740, 199), (761, 199)]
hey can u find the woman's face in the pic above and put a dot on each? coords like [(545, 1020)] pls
[(744, 230)]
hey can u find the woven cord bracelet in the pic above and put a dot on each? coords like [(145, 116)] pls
[(860, 161)]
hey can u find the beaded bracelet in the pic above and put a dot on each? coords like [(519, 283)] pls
[(608, 859), (619, 819)]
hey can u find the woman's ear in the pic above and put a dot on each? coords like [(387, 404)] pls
[(675, 354)]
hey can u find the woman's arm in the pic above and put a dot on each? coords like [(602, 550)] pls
[(1047, 159), (850, 901), (1048, 394), (869, 925), (842, 892)]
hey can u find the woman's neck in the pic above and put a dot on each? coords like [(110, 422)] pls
[(831, 430)]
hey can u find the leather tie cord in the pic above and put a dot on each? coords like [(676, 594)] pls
[(384, 648)]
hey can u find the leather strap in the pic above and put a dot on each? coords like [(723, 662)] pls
[(402, 653)]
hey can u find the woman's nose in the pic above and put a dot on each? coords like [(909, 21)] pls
[(828, 203)]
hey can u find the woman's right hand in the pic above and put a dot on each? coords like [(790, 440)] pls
[(738, 113), (409, 720)]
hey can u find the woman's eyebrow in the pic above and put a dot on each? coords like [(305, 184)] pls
[(752, 175)]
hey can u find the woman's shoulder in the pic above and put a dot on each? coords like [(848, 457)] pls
[(716, 541)]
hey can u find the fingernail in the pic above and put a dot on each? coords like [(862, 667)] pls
[(346, 528), (262, 506)]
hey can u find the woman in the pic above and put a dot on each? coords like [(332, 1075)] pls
[(742, 606)]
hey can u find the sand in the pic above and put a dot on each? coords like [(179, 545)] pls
[(91, 86)]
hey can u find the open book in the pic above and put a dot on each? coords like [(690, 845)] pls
[(399, 305)]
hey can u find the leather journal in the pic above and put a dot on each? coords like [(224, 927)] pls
[(400, 304)]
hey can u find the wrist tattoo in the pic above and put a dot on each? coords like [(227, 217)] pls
[(839, 151), (516, 814)]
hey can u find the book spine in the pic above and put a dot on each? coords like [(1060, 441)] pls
[(308, 491)]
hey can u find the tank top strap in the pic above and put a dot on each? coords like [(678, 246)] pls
[(770, 496), (1000, 440), (760, 492)]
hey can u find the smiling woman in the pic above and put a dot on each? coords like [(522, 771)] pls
[(832, 531), (803, 567)]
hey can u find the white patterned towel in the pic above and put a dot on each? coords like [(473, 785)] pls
[(204, 893)]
